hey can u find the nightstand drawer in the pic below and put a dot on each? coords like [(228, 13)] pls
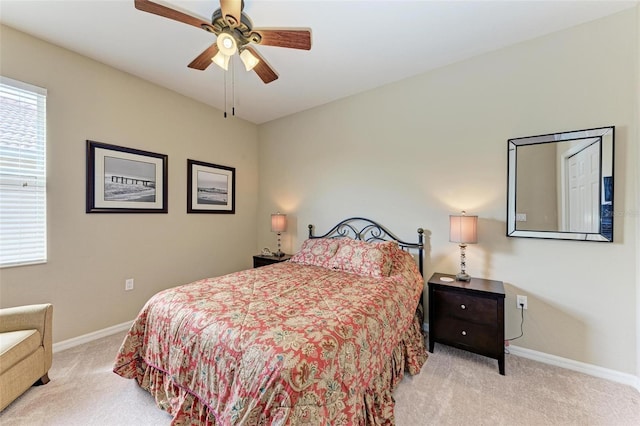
[(466, 307), (479, 337)]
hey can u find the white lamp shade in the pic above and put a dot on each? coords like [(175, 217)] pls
[(226, 44), (463, 229), (248, 59), (221, 60), (278, 222)]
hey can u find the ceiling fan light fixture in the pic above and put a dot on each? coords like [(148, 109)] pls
[(221, 60), (248, 59), (227, 44)]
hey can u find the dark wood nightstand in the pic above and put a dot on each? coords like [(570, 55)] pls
[(467, 315), (263, 260)]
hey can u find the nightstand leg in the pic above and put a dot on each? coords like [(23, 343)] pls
[(431, 345), (501, 364)]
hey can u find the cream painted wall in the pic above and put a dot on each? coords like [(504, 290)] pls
[(411, 153), (637, 209), (90, 255)]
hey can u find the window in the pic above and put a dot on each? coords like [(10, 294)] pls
[(23, 202)]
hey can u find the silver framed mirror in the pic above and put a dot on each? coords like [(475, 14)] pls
[(560, 185)]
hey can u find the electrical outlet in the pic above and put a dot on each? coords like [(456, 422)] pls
[(128, 284), (521, 300)]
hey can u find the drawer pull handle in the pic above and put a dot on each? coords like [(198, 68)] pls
[(464, 333), (463, 307)]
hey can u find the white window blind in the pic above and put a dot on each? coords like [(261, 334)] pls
[(23, 203)]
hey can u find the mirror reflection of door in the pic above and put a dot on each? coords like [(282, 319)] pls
[(583, 182)]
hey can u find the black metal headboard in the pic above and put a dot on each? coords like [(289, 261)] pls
[(360, 228)]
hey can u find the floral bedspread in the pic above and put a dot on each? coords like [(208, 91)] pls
[(281, 344)]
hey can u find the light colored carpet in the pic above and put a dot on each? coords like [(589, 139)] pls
[(454, 388)]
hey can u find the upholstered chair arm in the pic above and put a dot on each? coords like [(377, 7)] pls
[(29, 317)]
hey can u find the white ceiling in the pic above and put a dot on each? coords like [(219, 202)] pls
[(356, 45)]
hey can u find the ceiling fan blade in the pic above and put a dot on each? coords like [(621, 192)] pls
[(204, 59), (167, 12), (294, 39), (264, 71), (233, 9)]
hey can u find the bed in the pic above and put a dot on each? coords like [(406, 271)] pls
[(321, 339)]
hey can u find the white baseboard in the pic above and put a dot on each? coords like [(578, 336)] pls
[(569, 364), (86, 338), (590, 369)]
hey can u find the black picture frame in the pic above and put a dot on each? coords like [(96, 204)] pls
[(125, 180), (211, 188)]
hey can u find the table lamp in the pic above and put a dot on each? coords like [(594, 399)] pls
[(278, 225), (463, 230)]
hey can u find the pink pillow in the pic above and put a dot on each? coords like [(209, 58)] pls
[(404, 264), (316, 251), (363, 258)]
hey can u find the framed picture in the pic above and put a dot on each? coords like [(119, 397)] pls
[(211, 188), (607, 184), (125, 180)]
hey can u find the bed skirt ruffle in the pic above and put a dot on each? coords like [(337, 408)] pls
[(409, 356), (189, 409)]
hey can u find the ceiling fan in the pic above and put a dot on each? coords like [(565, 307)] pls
[(235, 33)]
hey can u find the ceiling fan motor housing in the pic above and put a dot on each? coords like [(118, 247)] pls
[(242, 32)]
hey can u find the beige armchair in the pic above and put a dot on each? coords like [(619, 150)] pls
[(25, 349)]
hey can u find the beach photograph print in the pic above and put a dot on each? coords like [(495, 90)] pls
[(125, 180), (210, 188), (129, 180)]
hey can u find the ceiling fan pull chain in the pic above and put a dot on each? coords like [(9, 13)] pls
[(233, 88), (225, 94)]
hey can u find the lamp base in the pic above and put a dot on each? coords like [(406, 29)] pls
[(278, 253), (463, 276)]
